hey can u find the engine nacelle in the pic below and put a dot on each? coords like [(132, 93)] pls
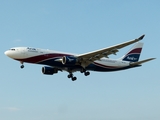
[(49, 70), (69, 60)]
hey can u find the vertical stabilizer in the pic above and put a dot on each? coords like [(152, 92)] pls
[(134, 54)]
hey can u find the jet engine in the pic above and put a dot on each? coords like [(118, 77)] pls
[(69, 60), (49, 70)]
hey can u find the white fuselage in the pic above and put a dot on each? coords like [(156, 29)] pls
[(23, 53)]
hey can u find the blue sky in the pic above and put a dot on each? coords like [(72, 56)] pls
[(79, 27)]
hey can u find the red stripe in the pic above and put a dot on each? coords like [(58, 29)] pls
[(39, 58), (105, 66), (137, 50)]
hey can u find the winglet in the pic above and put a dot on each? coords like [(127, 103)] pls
[(141, 37)]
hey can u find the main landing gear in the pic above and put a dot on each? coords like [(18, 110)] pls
[(86, 73), (72, 77)]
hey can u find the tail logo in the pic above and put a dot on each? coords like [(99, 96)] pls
[(132, 58), (134, 54)]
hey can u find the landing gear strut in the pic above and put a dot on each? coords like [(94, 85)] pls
[(22, 66), (72, 77)]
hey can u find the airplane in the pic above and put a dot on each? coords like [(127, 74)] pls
[(98, 60)]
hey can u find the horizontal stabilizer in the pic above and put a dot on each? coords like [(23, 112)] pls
[(140, 62)]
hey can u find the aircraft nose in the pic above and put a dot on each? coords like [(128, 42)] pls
[(6, 53), (12, 53)]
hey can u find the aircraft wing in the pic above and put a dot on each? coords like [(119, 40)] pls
[(87, 58)]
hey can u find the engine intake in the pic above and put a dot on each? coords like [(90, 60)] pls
[(49, 70), (69, 60)]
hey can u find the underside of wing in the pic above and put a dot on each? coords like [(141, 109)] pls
[(87, 58)]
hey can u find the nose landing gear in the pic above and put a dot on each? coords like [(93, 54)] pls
[(22, 66)]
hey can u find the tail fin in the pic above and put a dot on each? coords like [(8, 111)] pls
[(134, 54)]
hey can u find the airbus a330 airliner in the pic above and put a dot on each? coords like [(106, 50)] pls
[(92, 61)]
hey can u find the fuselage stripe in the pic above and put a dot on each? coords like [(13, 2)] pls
[(40, 58), (105, 66)]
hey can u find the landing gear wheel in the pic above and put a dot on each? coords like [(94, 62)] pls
[(87, 73), (81, 71), (70, 76), (22, 66), (74, 78)]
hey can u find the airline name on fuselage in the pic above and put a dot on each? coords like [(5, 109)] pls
[(32, 49)]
